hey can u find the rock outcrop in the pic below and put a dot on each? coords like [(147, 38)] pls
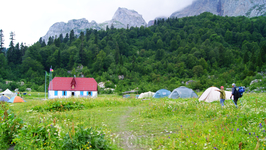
[(62, 28), (122, 18), (249, 8)]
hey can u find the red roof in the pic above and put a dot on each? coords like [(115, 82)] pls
[(73, 84)]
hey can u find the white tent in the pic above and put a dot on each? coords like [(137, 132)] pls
[(8, 93), (146, 94), (211, 95)]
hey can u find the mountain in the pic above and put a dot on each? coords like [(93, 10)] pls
[(63, 28), (249, 8), (121, 19)]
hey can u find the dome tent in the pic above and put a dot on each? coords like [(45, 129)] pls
[(146, 94), (162, 93), (8, 93), (183, 92), (4, 98), (16, 99), (211, 95)]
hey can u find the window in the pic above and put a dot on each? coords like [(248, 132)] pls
[(55, 93), (64, 93), (89, 94), (81, 93)]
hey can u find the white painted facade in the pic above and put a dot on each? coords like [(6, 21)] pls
[(59, 94)]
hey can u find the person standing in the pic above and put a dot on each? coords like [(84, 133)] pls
[(222, 96), (235, 93)]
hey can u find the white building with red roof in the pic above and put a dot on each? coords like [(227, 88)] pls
[(63, 87)]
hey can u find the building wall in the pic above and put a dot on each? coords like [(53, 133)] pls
[(51, 94)]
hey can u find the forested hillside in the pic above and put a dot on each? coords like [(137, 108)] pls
[(209, 49)]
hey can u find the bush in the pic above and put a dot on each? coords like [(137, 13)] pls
[(22, 88), (41, 135), (59, 105), (86, 138), (9, 126)]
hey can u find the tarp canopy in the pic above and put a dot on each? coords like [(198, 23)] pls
[(4, 98), (146, 94), (161, 93), (16, 99), (183, 92), (8, 93), (211, 95)]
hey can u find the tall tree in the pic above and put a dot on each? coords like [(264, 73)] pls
[(88, 33), (61, 39), (72, 36), (1, 41), (95, 37), (11, 52), (82, 57), (50, 40), (66, 38)]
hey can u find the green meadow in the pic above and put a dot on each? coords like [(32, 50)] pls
[(113, 122)]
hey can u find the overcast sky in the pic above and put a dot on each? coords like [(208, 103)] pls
[(31, 19)]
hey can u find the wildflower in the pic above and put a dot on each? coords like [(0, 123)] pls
[(169, 137), (181, 126), (260, 125), (215, 148), (249, 133), (237, 129), (233, 129)]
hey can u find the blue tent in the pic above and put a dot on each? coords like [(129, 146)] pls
[(4, 98), (162, 93), (183, 92)]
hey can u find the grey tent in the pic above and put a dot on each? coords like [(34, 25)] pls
[(183, 92), (8, 93)]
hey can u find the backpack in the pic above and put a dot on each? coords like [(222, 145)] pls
[(241, 90)]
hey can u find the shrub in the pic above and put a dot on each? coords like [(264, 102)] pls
[(41, 135), (59, 105), (86, 138), (9, 126)]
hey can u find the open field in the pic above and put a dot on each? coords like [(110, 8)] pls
[(154, 123)]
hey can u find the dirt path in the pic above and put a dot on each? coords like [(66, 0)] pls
[(127, 140)]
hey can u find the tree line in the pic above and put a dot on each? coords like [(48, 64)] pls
[(211, 50)]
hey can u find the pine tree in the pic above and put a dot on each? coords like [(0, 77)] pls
[(88, 33), (72, 36), (1, 41), (81, 50), (61, 39), (50, 41), (66, 38), (95, 37)]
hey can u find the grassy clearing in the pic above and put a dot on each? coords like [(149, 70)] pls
[(160, 123)]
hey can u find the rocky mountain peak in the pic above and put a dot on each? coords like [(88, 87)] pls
[(122, 18), (250, 8)]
